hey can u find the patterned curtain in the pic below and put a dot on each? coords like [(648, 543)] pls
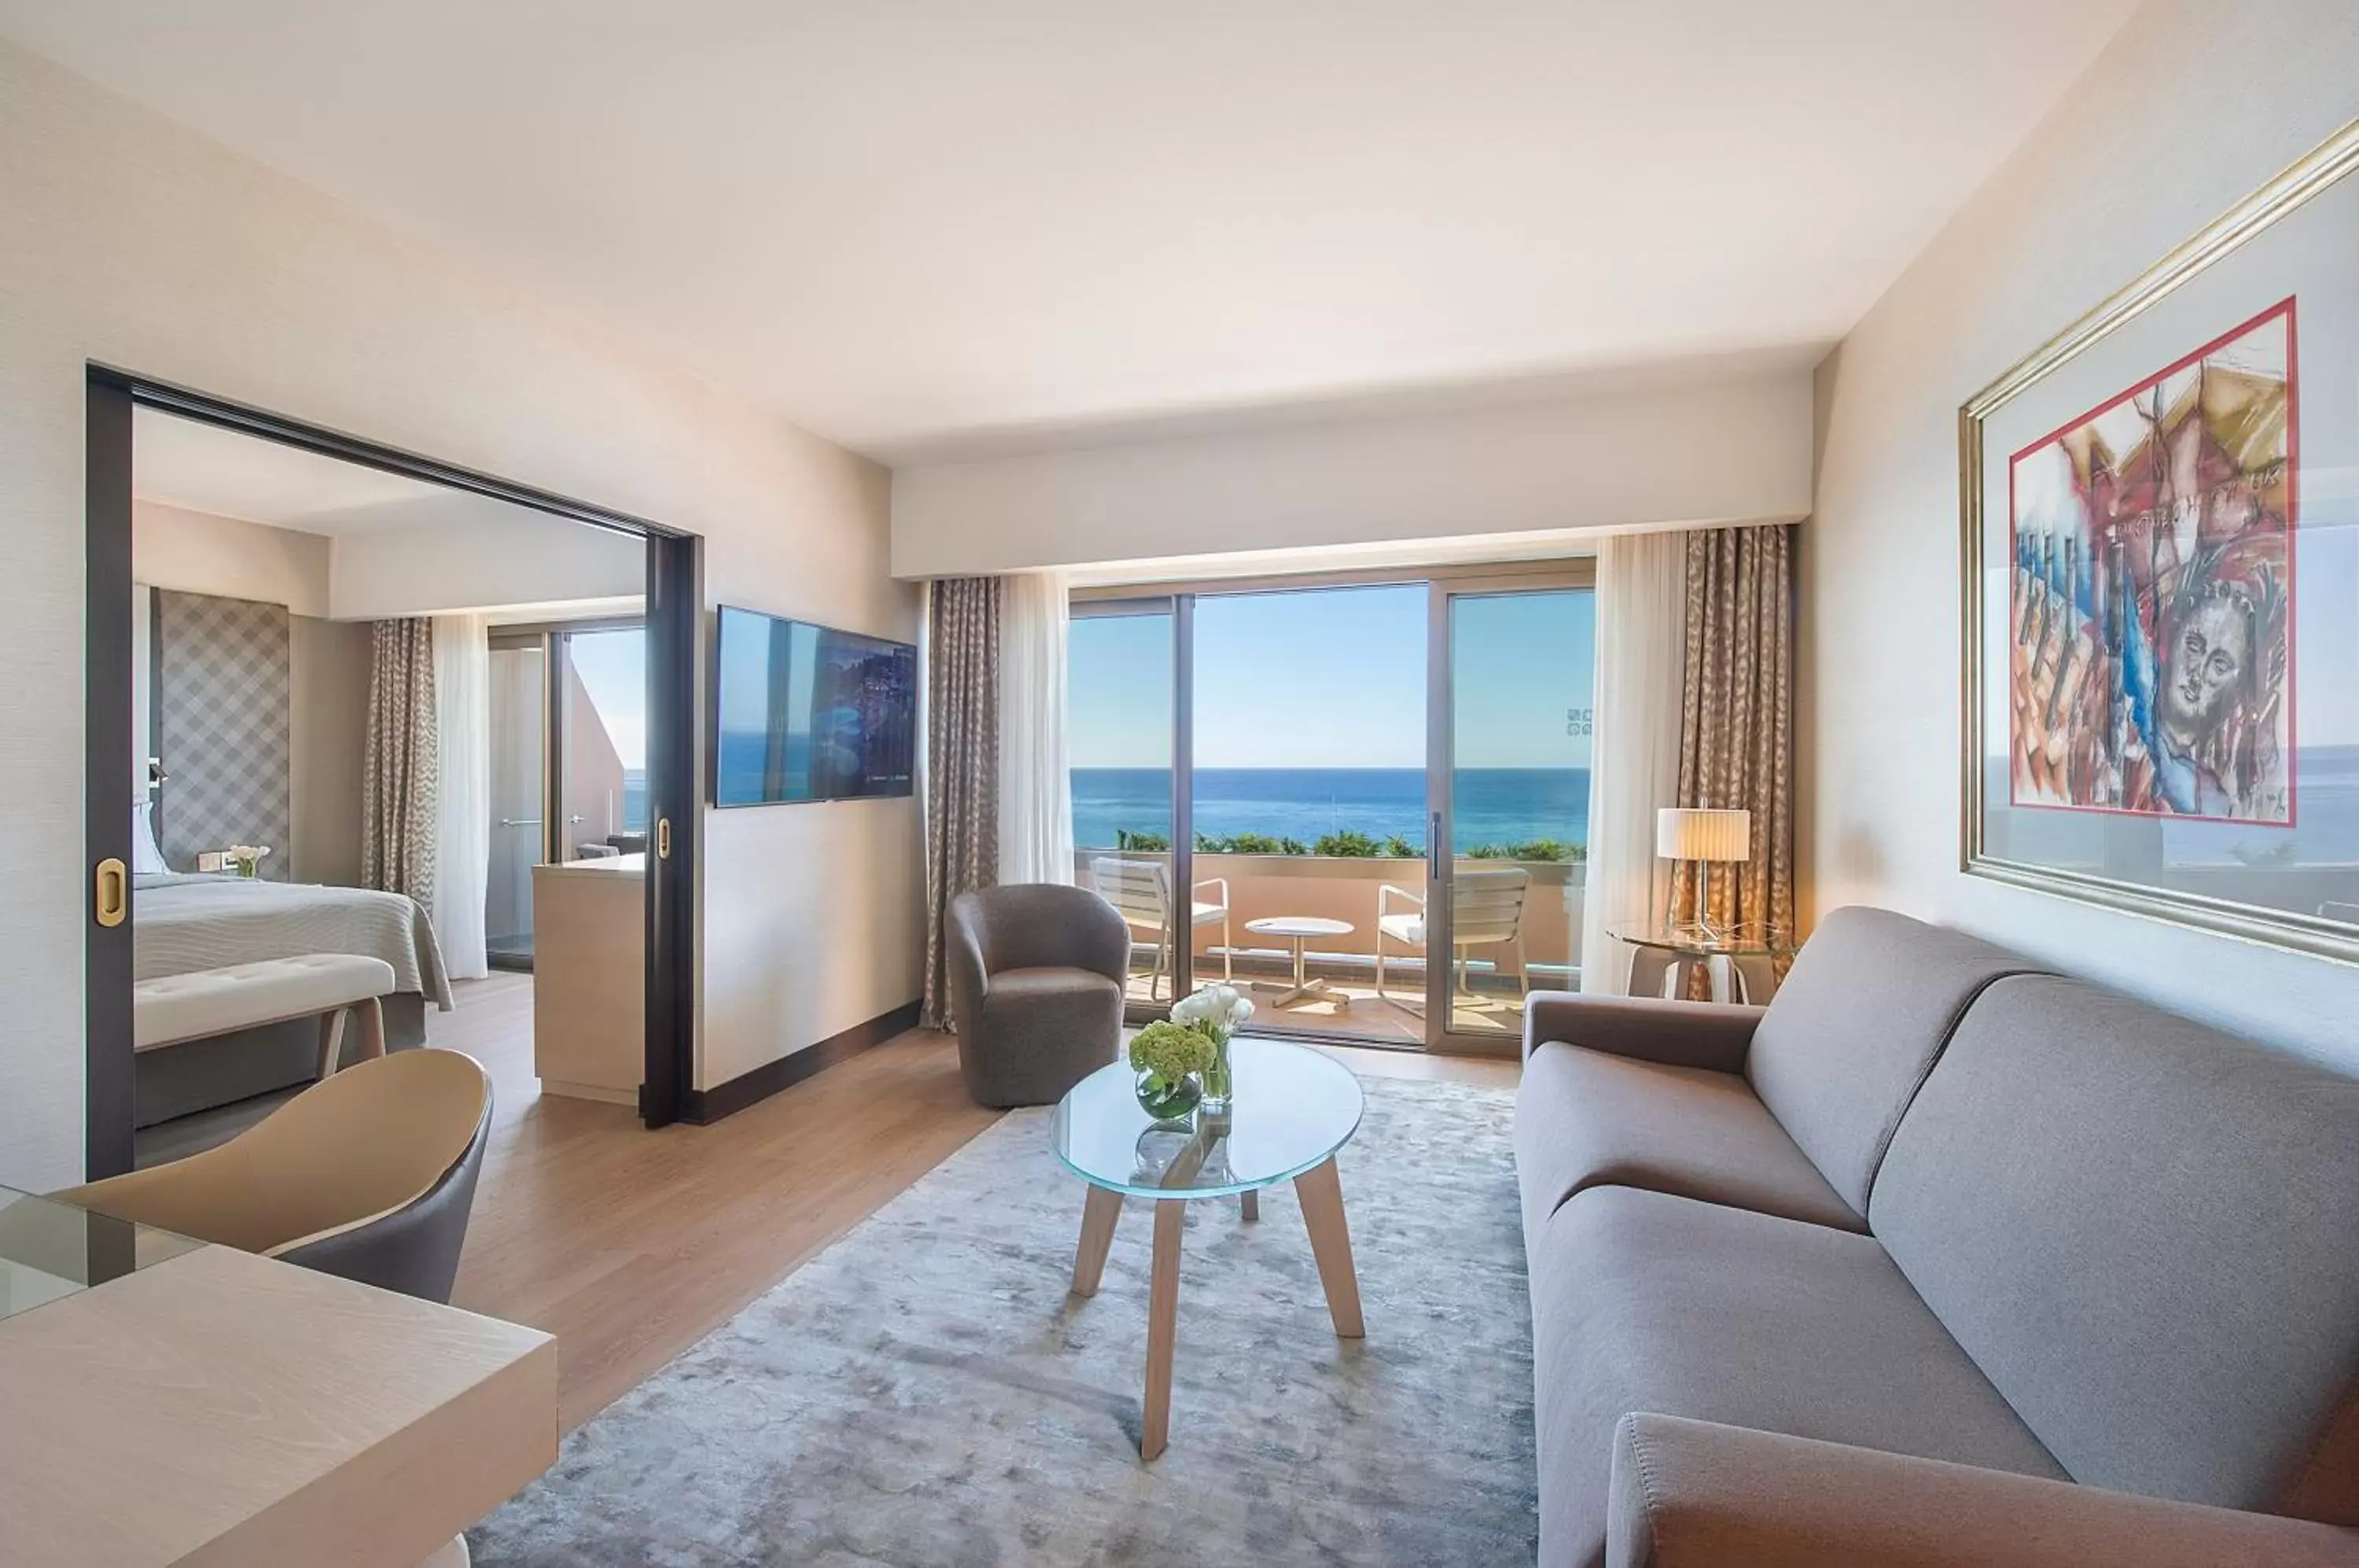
[(400, 769), (961, 762), (1736, 718)]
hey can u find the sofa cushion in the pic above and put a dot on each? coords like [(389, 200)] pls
[(1590, 1118), (2147, 1232), (1852, 1031), (1646, 1301)]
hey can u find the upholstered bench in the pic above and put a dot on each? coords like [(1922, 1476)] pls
[(173, 1009)]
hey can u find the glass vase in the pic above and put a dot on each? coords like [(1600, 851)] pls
[(1168, 1099), (1218, 1086)]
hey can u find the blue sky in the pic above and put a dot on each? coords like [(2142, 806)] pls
[(1335, 677), (613, 670)]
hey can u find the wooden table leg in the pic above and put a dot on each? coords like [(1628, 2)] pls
[(1162, 1325), (1099, 1212), (1249, 1203), (1330, 1243)]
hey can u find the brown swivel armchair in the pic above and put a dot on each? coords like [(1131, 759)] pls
[(1037, 973)]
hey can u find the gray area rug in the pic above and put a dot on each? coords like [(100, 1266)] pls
[(927, 1392)]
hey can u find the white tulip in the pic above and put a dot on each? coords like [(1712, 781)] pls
[(1222, 1006)]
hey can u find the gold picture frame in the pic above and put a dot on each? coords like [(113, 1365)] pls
[(2188, 899)]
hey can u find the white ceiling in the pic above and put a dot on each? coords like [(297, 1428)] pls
[(925, 225), (208, 468)]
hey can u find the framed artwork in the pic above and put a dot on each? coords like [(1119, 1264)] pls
[(2161, 552)]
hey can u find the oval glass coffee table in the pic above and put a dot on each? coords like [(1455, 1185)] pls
[(1292, 1109)]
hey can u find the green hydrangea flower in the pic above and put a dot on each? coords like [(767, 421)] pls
[(1169, 1050)]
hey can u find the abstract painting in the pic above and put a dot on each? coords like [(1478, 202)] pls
[(2152, 592)]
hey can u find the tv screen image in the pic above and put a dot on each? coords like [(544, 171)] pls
[(807, 712)]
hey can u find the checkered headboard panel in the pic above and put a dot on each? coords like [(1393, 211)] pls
[(223, 678)]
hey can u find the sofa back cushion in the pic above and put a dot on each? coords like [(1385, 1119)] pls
[(1868, 1007), (2146, 1235)]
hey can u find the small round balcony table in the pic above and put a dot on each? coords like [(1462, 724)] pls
[(1299, 929), (1294, 1108)]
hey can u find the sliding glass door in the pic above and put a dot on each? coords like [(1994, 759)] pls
[(1512, 789), (568, 764), (1122, 696), (602, 780), (519, 788), (1367, 801)]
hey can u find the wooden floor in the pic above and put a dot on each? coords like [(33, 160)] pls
[(630, 1246)]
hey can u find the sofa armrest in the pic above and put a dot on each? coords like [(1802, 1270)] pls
[(1690, 1494), (1677, 1034)]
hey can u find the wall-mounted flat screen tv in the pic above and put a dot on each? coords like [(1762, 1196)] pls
[(807, 712)]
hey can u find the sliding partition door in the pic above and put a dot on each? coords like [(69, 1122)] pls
[(1367, 801)]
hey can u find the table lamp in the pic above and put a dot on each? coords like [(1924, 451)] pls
[(1704, 836)]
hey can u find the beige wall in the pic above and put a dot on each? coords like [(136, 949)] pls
[(491, 558), (328, 742), (196, 552), (132, 242), (2189, 109), (1736, 450)]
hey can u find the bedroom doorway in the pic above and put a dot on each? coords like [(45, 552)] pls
[(325, 672)]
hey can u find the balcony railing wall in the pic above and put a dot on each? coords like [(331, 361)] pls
[(1346, 889)]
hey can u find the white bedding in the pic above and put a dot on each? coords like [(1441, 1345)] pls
[(182, 923)]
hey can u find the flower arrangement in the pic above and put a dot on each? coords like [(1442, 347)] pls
[(1171, 1051), (1170, 1059), (246, 858), (1216, 1012)]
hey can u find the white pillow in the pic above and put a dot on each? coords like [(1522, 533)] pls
[(146, 860)]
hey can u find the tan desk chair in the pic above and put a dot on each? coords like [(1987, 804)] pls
[(368, 1174)]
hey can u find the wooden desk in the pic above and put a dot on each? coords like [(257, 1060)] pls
[(589, 978), (219, 1409)]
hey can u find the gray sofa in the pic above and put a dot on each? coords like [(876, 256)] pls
[(1036, 972), (1937, 1259)]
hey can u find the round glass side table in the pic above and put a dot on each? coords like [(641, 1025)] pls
[(1293, 1109), (1666, 954)]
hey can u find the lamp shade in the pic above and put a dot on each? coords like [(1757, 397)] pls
[(1684, 833)]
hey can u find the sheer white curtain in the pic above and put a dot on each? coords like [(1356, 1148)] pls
[(1035, 796), (1633, 767), (463, 721)]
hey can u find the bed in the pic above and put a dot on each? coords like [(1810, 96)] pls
[(180, 923)]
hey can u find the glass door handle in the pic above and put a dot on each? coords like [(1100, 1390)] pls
[(1433, 847), (519, 821)]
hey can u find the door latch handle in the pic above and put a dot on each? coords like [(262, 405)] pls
[(111, 893), (663, 838)]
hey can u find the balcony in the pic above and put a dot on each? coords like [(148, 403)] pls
[(1545, 925)]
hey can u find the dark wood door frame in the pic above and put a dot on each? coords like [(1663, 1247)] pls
[(674, 619)]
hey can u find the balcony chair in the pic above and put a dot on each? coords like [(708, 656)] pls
[(1036, 972), (1141, 891), (1486, 910)]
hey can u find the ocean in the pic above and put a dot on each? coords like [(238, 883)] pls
[(1494, 805)]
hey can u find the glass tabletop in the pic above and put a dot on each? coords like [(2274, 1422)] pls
[(1739, 941), (49, 1250), (1292, 1108)]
